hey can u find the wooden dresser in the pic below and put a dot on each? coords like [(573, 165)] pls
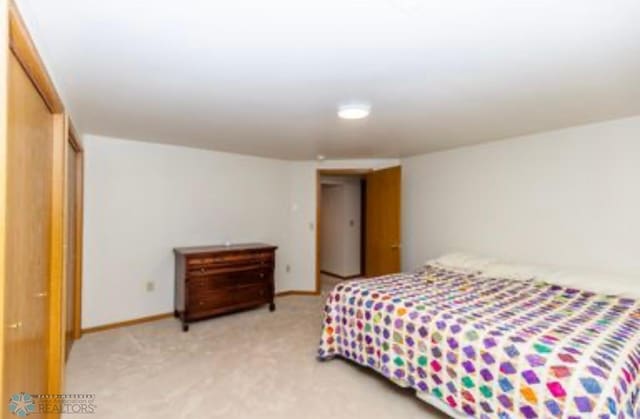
[(212, 280)]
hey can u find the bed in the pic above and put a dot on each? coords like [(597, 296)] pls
[(474, 344)]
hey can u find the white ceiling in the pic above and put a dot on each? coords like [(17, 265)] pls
[(265, 77)]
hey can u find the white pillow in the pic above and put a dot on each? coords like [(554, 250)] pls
[(608, 284), (515, 271), (464, 261)]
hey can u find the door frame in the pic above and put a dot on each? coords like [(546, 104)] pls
[(319, 174), (76, 144), (20, 44)]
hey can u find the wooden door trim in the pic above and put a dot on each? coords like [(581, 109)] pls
[(75, 143), (319, 174), (57, 291), (74, 138), (363, 226), (22, 46)]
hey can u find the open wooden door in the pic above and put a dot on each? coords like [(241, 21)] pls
[(383, 223)]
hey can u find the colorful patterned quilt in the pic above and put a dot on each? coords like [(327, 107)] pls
[(492, 347)]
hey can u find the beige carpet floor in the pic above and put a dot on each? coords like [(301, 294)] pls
[(252, 364)]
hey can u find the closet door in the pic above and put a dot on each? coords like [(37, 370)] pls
[(28, 228)]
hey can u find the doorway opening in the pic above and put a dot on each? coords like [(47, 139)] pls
[(358, 224), (342, 227)]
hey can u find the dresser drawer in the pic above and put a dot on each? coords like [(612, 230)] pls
[(230, 259), (227, 269), (197, 261), (203, 304), (228, 279), (251, 293)]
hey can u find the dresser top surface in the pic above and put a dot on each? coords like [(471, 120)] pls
[(194, 250)]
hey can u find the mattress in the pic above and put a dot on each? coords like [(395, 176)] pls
[(489, 347)]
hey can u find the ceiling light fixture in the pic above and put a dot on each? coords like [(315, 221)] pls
[(354, 111)]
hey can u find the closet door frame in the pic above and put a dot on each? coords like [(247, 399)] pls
[(75, 143)]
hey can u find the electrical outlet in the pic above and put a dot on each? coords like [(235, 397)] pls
[(150, 286)]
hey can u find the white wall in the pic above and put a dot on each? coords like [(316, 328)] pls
[(352, 227), (341, 225), (143, 199), (564, 198), (331, 237)]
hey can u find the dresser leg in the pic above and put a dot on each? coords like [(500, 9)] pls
[(272, 306), (185, 327)]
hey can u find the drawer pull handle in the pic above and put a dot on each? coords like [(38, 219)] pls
[(261, 275), (17, 325)]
